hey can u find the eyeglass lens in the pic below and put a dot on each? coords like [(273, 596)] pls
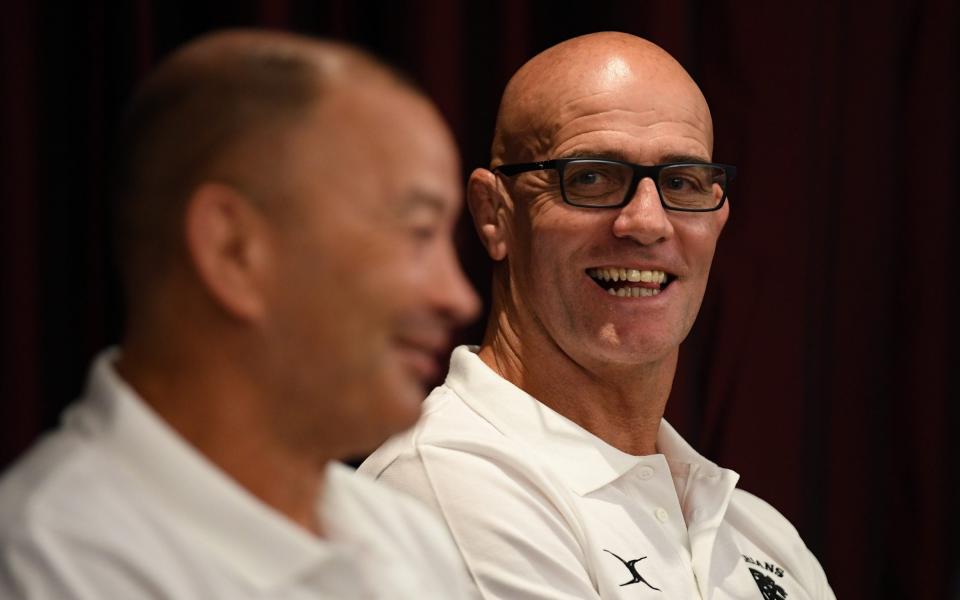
[(596, 183)]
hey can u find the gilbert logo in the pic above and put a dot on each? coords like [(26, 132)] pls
[(631, 566)]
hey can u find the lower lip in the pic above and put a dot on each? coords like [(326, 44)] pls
[(664, 291), (422, 362)]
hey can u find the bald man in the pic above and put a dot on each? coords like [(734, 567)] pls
[(285, 210), (545, 450)]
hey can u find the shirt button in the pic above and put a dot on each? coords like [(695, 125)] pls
[(645, 473), (662, 515)]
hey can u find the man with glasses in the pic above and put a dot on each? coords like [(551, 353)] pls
[(545, 450)]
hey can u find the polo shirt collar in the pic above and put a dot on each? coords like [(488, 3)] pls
[(210, 509), (582, 459)]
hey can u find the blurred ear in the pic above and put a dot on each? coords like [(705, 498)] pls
[(489, 212), (227, 240)]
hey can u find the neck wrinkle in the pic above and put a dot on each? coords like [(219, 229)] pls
[(621, 405)]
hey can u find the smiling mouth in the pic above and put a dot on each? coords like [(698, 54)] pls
[(422, 361), (631, 283)]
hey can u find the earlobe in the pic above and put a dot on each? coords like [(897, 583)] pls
[(225, 245), (722, 215), (486, 204)]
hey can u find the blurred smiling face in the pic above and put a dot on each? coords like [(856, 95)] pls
[(367, 284)]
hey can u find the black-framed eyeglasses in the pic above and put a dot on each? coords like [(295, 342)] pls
[(607, 183)]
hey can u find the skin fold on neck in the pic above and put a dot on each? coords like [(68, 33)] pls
[(622, 405)]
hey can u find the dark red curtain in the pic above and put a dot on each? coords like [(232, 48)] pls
[(821, 368)]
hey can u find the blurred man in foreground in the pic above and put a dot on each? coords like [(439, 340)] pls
[(285, 210), (545, 450)]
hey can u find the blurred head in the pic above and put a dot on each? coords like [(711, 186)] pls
[(301, 197), (607, 95)]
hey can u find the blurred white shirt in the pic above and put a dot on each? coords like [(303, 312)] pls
[(542, 508), (116, 505)]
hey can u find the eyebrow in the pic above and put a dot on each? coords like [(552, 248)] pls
[(419, 198), (608, 154), (684, 158), (619, 155)]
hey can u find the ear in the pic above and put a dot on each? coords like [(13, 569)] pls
[(489, 212), (228, 245)]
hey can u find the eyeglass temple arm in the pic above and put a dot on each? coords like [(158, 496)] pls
[(516, 169)]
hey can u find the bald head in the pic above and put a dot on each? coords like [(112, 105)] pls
[(546, 93), (204, 114), (603, 132)]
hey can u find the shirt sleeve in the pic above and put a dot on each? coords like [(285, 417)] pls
[(782, 541), (426, 548), (512, 534), (820, 587)]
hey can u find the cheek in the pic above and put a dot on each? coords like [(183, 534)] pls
[(553, 240), (698, 242), (328, 296), (403, 278), (545, 268), (554, 287)]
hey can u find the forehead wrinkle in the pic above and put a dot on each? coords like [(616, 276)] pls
[(586, 107), (622, 142), (627, 100), (524, 145), (649, 125), (625, 120)]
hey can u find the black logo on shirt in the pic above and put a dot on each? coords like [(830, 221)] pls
[(631, 566), (769, 566), (768, 587)]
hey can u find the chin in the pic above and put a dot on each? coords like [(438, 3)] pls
[(633, 348), (376, 433), (402, 404), (376, 413)]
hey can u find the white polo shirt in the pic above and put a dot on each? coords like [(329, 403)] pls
[(541, 508), (115, 505)]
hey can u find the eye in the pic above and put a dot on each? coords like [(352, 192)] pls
[(421, 221), (423, 232), (590, 178), (675, 183), (585, 178), (691, 186), (688, 178)]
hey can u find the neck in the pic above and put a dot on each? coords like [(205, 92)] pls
[(207, 399), (622, 405)]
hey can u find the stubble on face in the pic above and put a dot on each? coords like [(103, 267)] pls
[(617, 96)]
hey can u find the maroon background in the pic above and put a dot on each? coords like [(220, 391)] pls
[(820, 367)]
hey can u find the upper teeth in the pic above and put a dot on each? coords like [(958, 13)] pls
[(615, 274)]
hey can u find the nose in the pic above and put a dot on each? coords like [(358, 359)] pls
[(643, 218), (454, 296)]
